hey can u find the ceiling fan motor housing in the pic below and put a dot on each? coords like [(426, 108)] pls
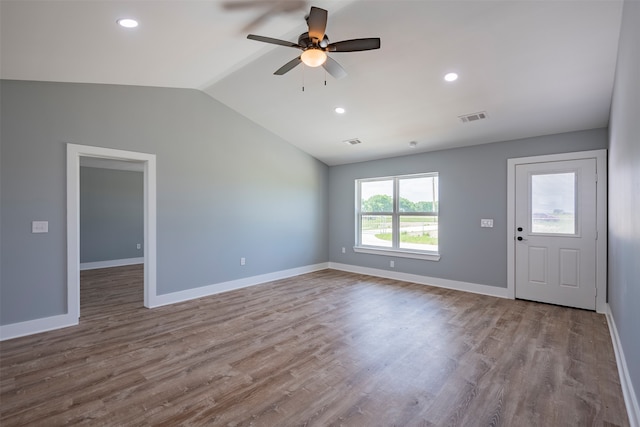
[(305, 42)]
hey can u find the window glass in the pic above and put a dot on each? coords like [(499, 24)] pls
[(419, 233), (376, 230), (553, 202), (377, 196), (419, 194)]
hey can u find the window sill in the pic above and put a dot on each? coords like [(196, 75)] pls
[(397, 253)]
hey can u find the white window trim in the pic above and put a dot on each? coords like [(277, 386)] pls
[(400, 253), (395, 251)]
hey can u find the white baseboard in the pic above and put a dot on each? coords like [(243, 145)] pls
[(189, 294), (111, 263), (630, 399), (475, 288), (30, 327)]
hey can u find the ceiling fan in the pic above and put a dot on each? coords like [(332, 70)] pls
[(315, 45)]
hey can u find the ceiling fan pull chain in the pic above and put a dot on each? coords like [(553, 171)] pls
[(303, 79)]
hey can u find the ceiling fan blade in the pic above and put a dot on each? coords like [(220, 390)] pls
[(334, 68), (241, 4), (354, 45), (273, 41), (272, 5), (255, 23), (288, 66), (317, 22)]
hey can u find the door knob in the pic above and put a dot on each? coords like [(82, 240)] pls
[(520, 239), (519, 228)]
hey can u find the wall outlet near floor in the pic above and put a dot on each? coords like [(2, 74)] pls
[(243, 261), (486, 223), (344, 250), (392, 264), (138, 246)]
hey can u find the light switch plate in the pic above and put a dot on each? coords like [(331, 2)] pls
[(39, 226), (486, 223)]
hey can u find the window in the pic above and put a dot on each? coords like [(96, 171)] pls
[(398, 216), (553, 203)]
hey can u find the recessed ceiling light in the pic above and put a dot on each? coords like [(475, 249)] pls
[(339, 110), (451, 77), (127, 22)]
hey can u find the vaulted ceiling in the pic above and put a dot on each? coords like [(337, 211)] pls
[(535, 67)]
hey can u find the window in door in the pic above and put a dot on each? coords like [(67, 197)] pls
[(553, 203)]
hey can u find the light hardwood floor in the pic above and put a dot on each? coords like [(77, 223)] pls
[(326, 348)]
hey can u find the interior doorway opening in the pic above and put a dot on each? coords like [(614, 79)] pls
[(111, 236), (76, 154)]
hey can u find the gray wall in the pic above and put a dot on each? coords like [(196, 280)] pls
[(624, 193), (473, 185), (111, 214), (226, 188)]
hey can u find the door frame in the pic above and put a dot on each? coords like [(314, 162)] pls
[(601, 217), (74, 153)]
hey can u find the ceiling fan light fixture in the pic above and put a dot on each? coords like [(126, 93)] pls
[(313, 57)]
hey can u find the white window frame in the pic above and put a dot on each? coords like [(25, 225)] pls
[(395, 250)]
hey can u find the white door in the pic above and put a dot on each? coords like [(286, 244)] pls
[(555, 220)]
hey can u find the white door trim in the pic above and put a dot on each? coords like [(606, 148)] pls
[(74, 153), (601, 220)]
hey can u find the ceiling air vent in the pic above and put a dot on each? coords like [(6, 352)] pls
[(473, 117), (354, 141)]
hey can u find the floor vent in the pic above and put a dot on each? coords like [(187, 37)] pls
[(354, 141), (473, 117)]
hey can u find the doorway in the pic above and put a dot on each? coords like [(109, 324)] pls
[(557, 229), (74, 155)]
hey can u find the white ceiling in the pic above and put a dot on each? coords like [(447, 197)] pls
[(536, 67)]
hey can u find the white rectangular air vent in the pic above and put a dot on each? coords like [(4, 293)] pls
[(473, 117), (354, 141)]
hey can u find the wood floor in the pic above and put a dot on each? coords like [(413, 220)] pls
[(326, 348)]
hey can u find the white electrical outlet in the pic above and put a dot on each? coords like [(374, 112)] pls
[(138, 246), (39, 226), (344, 250), (392, 264), (488, 223), (243, 261)]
